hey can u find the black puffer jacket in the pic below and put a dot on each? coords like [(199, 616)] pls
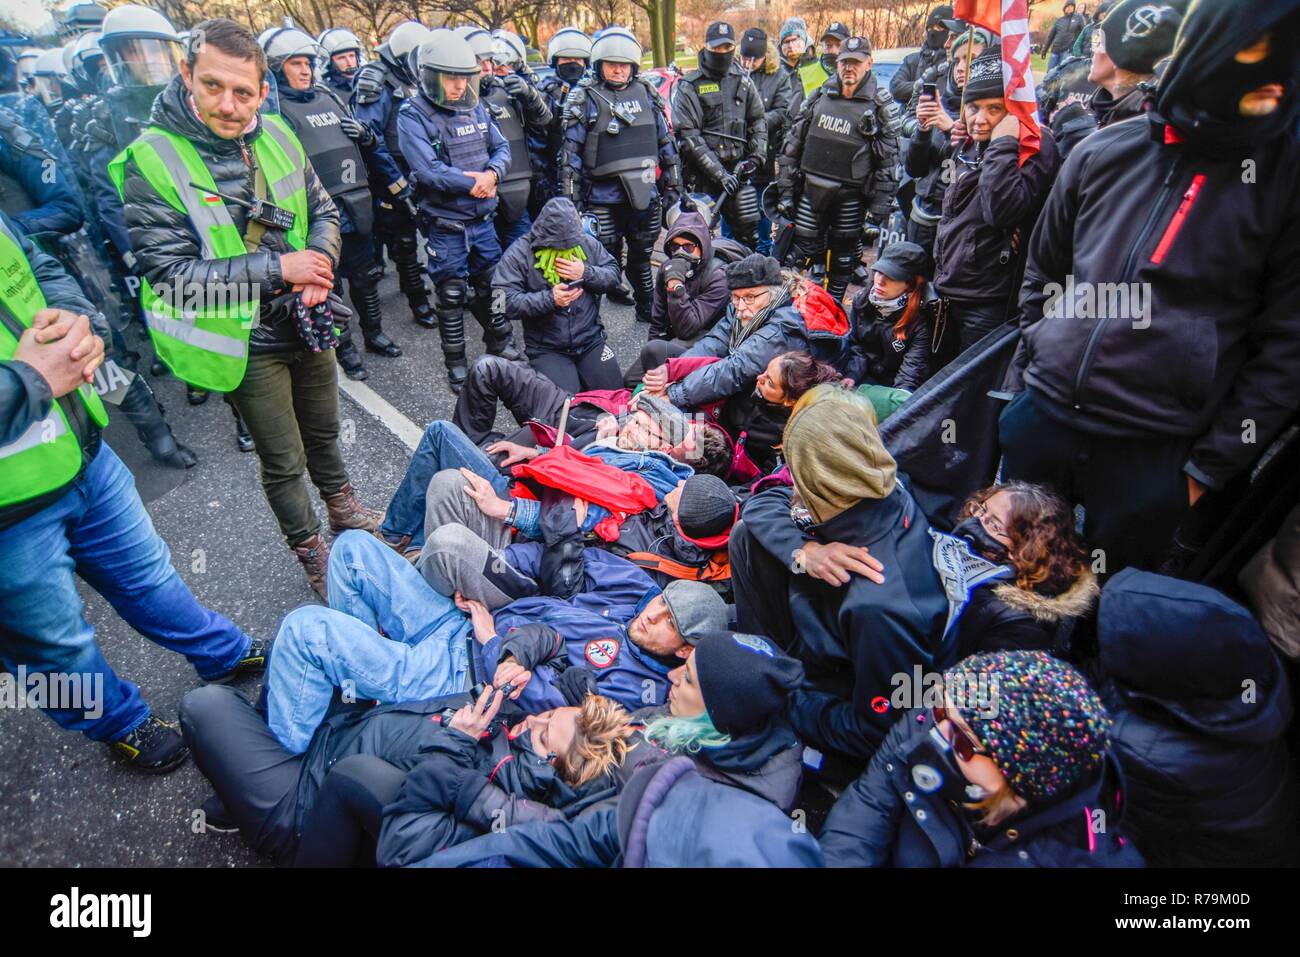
[(1148, 207), (884, 819), (165, 244), (1200, 704), (990, 200), (879, 355), (1003, 617), (694, 307), (575, 328)]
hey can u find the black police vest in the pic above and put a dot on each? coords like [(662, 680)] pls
[(334, 156), (723, 102), (631, 154), (513, 190), (401, 93), (837, 145)]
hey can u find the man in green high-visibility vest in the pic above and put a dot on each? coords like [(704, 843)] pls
[(68, 505), (231, 297)]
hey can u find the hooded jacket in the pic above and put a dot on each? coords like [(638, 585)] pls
[(854, 638), (1141, 207), (1001, 616), (694, 307), (1201, 705), (885, 819), (572, 329), (167, 249), (668, 815), (990, 200)]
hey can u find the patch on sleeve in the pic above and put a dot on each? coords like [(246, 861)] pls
[(602, 652)]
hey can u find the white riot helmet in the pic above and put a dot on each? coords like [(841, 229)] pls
[(85, 52), (509, 50), (568, 41), (51, 76), (285, 43), (616, 45), (442, 56), (479, 40), (26, 65), (338, 40), (397, 52)]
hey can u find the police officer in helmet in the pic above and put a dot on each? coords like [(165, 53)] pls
[(616, 136), (342, 49), (457, 156), (569, 54)]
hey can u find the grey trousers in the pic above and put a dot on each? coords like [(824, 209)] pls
[(463, 548)]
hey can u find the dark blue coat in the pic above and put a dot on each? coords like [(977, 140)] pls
[(423, 130), (854, 639), (884, 820), (668, 815), (1201, 704), (51, 198), (584, 644)]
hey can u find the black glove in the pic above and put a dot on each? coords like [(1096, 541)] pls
[(355, 130), (516, 86), (671, 198), (412, 208), (674, 267), (747, 167), (730, 183)]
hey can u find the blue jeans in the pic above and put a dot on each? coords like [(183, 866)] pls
[(764, 245), (100, 531), (1054, 60), (386, 636), (508, 232), (443, 447)]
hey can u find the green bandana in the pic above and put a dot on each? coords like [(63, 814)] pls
[(545, 261)]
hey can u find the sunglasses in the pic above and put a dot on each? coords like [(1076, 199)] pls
[(964, 743)]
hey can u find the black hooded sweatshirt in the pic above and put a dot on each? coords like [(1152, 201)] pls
[(694, 307), (1201, 218)]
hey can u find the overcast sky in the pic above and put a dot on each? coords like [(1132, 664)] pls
[(29, 14)]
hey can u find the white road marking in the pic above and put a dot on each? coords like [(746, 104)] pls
[(389, 415)]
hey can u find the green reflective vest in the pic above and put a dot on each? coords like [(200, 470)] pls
[(813, 75), (202, 333), (48, 455)]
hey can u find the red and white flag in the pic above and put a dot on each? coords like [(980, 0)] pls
[(1010, 19)]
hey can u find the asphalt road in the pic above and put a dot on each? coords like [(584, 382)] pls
[(63, 799)]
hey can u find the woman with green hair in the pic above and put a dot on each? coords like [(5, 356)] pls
[(553, 278), (726, 711)]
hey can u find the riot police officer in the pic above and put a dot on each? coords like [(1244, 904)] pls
[(524, 120), (722, 128), (457, 156), (342, 49), (382, 86), (336, 144), (837, 176), (616, 136), (569, 53)]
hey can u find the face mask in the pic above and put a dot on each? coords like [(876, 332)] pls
[(570, 72), (935, 770), (935, 39), (827, 61), (693, 262), (715, 62), (888, 306), (973, 531), (1220, 93)]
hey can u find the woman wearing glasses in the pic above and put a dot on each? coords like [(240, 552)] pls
[(1029, 529), (1012, 769)]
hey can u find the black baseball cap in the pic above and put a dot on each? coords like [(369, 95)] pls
[(719, 32), (855, 48), (837, 30), (901, 261)]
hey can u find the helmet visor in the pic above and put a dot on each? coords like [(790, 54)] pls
[(141, 61), (452, 91)]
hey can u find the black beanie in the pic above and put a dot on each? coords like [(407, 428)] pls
[(1138, 33), (753, 270), (706, 507), (753, 42), (744, 680), (984, 81)]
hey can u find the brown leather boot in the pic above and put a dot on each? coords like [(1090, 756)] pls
[(346, 512), (314, 554)]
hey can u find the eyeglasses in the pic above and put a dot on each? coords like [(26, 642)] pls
[(749, 300), (964, 743), (988, 519), (684, 247)]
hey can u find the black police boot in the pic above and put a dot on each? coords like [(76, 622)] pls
[(451, 329), (410, 277), (643, 288), (347, 354), (370, 318), (498, 334), (622, 295), (142, 411)]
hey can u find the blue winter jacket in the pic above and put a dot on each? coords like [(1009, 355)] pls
[(443, 189)]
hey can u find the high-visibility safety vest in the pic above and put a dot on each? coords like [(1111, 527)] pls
[(202, 334), (47, 455), (813, 75)]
